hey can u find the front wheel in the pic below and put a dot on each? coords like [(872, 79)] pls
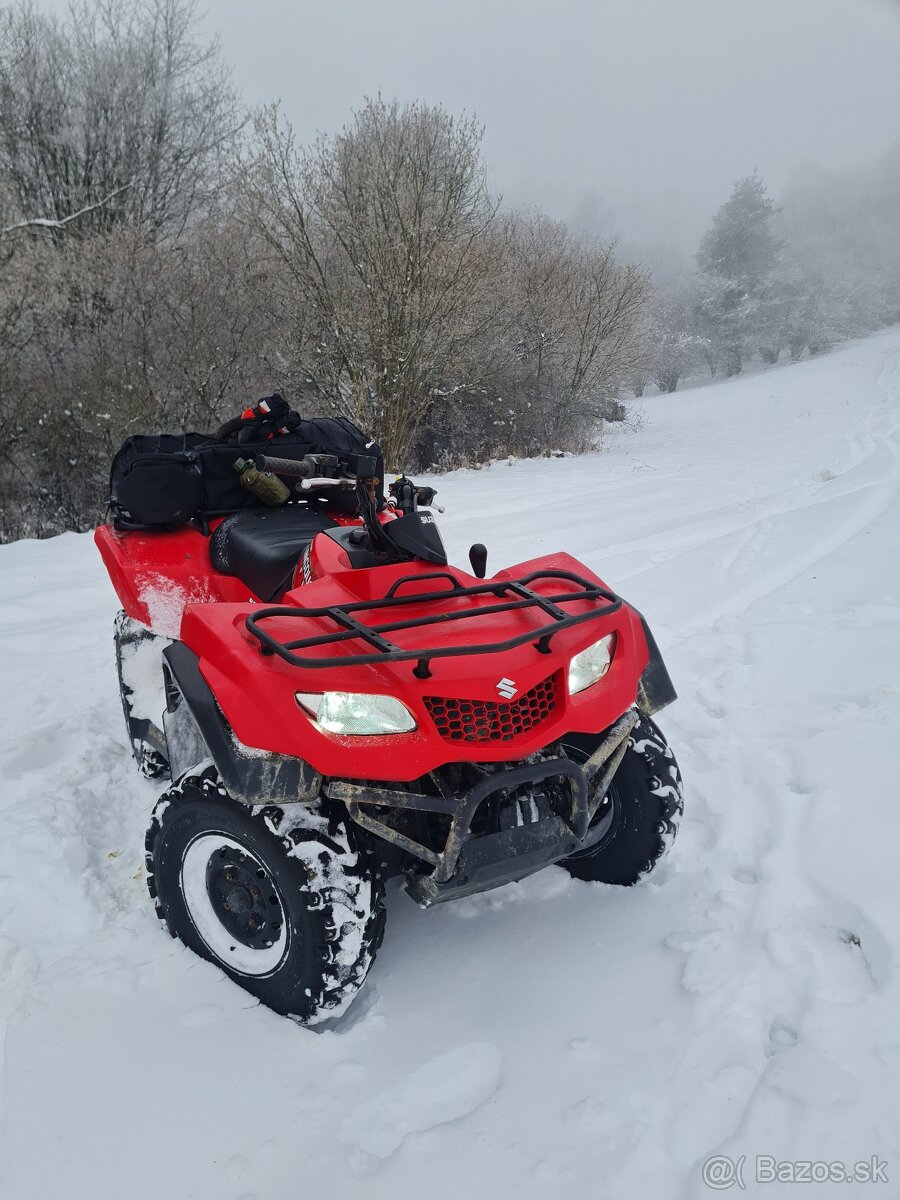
[(281, 900), (641, 810)]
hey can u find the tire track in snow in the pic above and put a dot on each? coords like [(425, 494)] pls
[(812, 941), (875, 500)]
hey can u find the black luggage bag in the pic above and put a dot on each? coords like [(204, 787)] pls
[(158, 481)]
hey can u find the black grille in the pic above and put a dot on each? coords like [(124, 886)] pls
[(485, 721)]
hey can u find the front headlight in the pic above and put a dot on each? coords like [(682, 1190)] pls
[(591, 664), (356, 713)]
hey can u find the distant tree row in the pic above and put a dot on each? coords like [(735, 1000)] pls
[(780, 280), (164, 257)]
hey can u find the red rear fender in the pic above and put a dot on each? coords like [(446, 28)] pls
[(156, 574)]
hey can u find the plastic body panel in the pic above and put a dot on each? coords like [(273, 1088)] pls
[(256, 692), (166, 581), (156, 573)]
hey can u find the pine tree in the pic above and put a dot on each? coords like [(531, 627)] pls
[(738, 257)]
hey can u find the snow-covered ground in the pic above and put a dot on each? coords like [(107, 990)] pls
[(555, 1037)]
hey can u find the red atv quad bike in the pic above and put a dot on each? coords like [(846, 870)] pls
[(336, 705)]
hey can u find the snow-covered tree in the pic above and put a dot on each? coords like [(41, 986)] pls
[(119, 111), (574, 318), (741, 245), (738, 257), (676, 345), (382, 230), (842, 229)]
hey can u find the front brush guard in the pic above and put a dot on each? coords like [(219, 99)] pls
[(469, 863)]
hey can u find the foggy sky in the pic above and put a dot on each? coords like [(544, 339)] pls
[(657, 104)]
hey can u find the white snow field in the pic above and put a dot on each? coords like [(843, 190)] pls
[(553, 1038)]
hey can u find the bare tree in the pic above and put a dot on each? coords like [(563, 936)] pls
[(604, 300), (382, 230), (106, 336), (577, 312), (559, 349), (671, 331), (56, 225), (118, 112)]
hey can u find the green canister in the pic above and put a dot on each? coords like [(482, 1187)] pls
[(263, 484)]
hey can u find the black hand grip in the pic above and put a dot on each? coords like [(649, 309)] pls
[(296, 468)]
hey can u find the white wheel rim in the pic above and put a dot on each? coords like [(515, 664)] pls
[(245, 960)]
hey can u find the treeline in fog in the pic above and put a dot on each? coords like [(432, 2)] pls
[(166, 257), (779, 281)]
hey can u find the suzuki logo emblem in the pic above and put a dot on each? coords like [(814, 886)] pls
[(507, 688)]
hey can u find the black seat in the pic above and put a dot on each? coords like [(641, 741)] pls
[(263, 546)]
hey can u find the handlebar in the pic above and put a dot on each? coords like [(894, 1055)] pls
[(407, 496), (317, 471), (295, 468)]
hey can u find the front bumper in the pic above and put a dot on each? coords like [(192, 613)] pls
[(471, 862)]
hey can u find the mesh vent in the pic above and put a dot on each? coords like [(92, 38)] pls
[(484, 721)]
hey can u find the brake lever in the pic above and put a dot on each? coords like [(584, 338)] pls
[(425, 496), (308, 485)]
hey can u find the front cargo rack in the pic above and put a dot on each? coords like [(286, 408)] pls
[(512, 594)]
